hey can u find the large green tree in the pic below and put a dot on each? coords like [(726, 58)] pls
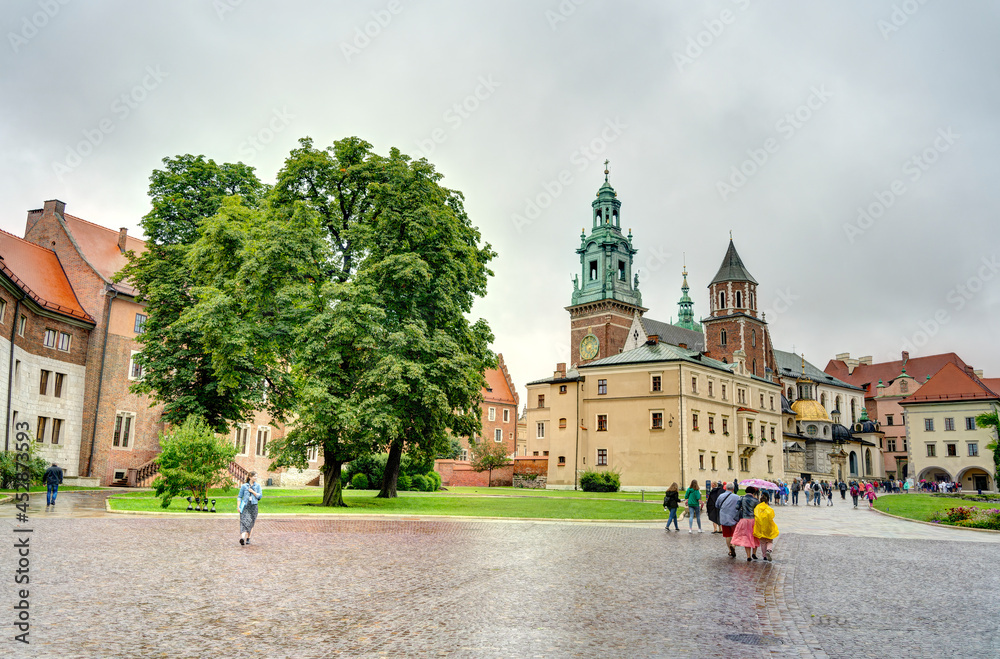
[(992, 420), (178, 367)]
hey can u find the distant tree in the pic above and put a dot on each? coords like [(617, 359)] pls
[(992, 420), (193, 460), (487, 456), (450, 450)]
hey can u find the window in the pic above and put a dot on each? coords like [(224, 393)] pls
[(562, 460), (621, 270), (43, 384), (21, 324), (931, 451), (140, 323), (739, 300), (888, 420), (602, 422), (710, 388), (722, 305), (694, 384), (506, 415), (540, 430), (3, 310), (949, 423), (593, 271), (541, 400), (498, 435), (753, 340), (741, 396), (973, 450), (762, 401), (729, 461), (772, 402), (952, 450), (263, 434), (657, 421), (312, 453), (694, 422), (701, 461), (42, 423), (464, 457), (890, 444), (770, 468), (562, 422), (493, 414), (713, 463), (602, 387), (929, 425), (123, 429), (65, 340), (562, 388), (722, 337), (763, 429), (56, 430), (135, 370), (744, 464), (725, 427), (656, 384), (60, 377), (970, 423), (602, 457), (242, 431), (711, 424), (723, 392), (49, 340), (772, 434)]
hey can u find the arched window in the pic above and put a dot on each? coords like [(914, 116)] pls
[(755, 367), (722, 299), (752, 305), (854, 463), (789, 396), (753, 339), (722, 335), (822, 400), (837, 404), (868, 462), (854, 416), (598, 217), (739, 300)]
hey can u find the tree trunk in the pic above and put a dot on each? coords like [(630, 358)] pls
[(333, 491), (388, 490), (489, 478)]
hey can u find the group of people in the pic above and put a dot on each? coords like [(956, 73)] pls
[(744, 521)]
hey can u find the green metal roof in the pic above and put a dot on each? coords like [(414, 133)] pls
[(661, 352)]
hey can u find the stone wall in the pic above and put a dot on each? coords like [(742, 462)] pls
[(530, 482)]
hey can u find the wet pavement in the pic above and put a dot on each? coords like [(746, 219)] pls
[(127, 586)]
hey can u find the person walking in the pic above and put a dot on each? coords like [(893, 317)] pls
[(711, 510), (829, 494), (816, 493), (53, 479), (906, 487), (743, 533), (693, 497), (871, 496), (843, 489), (670, 502), (728, 505), (246, 502), (854, 493), (795, 491), (764, 528)]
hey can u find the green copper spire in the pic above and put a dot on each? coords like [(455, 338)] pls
[(685, 317), (606, 254)]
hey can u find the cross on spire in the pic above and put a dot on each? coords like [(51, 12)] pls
[(606, 172)]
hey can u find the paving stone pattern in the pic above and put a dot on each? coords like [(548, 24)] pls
[(312, 588)]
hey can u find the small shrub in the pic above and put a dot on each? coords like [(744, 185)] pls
[(420, 483), (359, 482), (435, 479), (600, 481), (403, 483)]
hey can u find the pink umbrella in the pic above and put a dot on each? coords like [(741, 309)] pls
[(759, 483)]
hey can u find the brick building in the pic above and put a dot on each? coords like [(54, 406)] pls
[(117, 430), (44, 340)]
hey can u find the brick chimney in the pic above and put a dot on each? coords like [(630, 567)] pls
[(560, 370), (54, 206), (652, 339), (122, 235), (906, 357)]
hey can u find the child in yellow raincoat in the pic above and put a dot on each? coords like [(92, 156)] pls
[(764, 527)]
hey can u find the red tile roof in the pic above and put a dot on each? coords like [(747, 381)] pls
[(950, 384), (917, 367), (38, 272), (99, 245), (499, 388)]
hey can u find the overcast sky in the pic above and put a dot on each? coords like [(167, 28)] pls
[(830, 109)]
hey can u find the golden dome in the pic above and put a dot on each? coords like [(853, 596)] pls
[(809, 410)]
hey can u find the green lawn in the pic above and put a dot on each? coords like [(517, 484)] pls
[(461, 502), (924, 506)]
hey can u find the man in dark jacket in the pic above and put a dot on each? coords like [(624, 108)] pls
[(53, 478), (843, 490), (718, 487)]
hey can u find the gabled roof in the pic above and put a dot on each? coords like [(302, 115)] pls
[(499, 388), (38, 272), (660, 352), (951, 384), (99, 245), (732, 268), (673, 334), (870, 374), (790, 365)]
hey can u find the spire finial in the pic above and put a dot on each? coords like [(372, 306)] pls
[(730, 234), (606, 172)]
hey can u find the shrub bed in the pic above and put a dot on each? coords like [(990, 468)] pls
[(600, 481), (976, 518)]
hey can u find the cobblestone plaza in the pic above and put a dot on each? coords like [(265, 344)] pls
[(844, 583)]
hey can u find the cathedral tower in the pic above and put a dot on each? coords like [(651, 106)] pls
[(734, 323), (685, 314), (605, 292)]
